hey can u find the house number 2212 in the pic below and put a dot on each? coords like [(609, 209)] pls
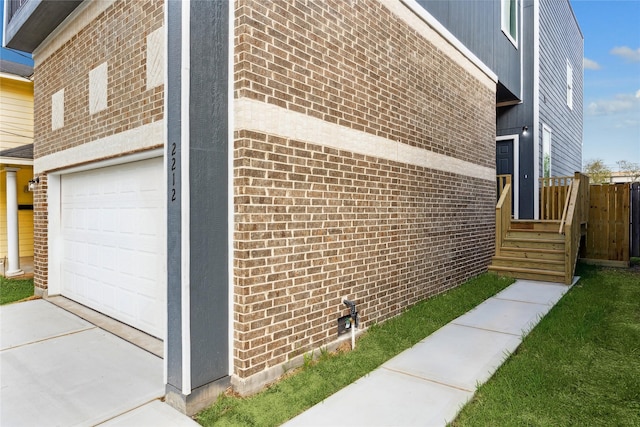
[(173, 172)]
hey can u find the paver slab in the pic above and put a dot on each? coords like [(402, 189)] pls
[(79, 379), (387, 398), (534, 292), (33, 321), (156, 414), (500, 315), (459, 356)]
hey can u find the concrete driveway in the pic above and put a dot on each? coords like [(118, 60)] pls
[(57, 369)]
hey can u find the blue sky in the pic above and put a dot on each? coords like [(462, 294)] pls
[(611, 30)]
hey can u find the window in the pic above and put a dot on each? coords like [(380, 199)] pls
[(569, 85), (546, 152), (510, 20)]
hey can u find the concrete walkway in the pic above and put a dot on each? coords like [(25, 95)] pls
[(428, 384), (57, 369)]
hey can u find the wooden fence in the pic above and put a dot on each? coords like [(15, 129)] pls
[(608, 232)]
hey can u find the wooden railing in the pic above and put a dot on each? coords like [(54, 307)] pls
[(501, 181), (577, 214), (503, 212), (553, 196)]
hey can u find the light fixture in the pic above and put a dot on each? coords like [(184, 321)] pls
[(525, 130), (33, 182)]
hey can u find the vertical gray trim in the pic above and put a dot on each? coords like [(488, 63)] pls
[(209, 198), (173, 108)]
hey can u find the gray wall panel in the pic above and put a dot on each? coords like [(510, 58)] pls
[(209, 198), (477, 25), (510, 120), (208, 194)]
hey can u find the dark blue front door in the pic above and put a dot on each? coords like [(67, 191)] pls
[(504, 162)]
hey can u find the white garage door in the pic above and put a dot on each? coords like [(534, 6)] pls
[(113, 233)]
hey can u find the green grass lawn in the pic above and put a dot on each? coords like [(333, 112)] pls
[(579, 367), (316, 381), (12, 290)]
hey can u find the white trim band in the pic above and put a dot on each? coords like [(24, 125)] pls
[(137, 139), (271, 119)]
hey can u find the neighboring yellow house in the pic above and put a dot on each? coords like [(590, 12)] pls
[(16, 162)]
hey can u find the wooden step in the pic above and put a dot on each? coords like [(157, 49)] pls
[(529, 274), (529, 263), (517, 242), (536, 234), (530, 224), (533, 253)]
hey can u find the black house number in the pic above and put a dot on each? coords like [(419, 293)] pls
[(173, 172)]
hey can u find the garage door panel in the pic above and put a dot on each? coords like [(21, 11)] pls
[(109, 258), (139, 243), (72, 279), (149, 310), (75, 252), (114, 242), (94, 292), (77, 219), (94, 258), (93, 220)]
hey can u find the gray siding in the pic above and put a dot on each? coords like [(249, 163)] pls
[(510, 120), (477, 25), (560, 40)]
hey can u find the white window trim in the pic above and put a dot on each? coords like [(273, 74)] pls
[(550, 131), (516, 171), (505, 29), (569, 85), (536, 109)]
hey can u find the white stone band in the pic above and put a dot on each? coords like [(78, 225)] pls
[(270, 119)]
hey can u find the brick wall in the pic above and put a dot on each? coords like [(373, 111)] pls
[(314, 222), (354, 64), (40, 245), (118, 37)]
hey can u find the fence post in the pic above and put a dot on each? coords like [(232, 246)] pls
[(635, 219)]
